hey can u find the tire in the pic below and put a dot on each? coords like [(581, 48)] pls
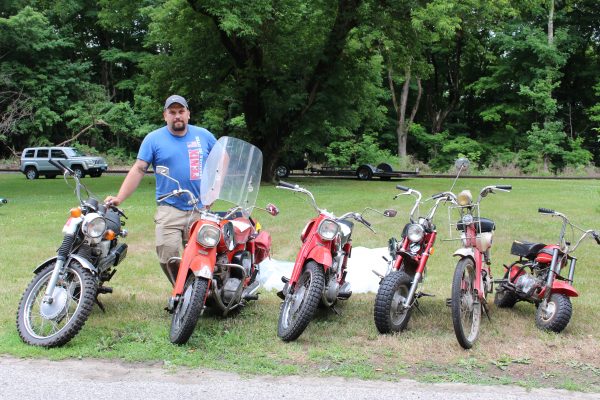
[(31, 173), (299, 307), (188, 309), (282, 171), (505, 298), (389, 315), (78, 292), (385, 167), (556, 315), (466, 308), (79, 172), (364, 173)]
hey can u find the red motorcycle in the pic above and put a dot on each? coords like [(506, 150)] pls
[(319, 273), (536, 277), (473, 275), (399, 289), (220, 261)]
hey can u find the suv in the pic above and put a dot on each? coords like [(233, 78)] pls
[(34, 162)]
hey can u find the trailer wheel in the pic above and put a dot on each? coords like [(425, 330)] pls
[(385, 167), (364, 173)]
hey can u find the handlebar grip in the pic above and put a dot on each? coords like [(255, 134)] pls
[(437, 196), (364, 221), (403, 188), (162, 197), (546, 210), (287, 185), (595, 234), (504, 187)]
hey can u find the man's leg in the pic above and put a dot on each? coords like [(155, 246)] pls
[(170, 230)]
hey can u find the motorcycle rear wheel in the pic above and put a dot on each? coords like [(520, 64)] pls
[(299, 307), (74, 297), (557, 314), (390, 315), (466, 307), (188, 309)]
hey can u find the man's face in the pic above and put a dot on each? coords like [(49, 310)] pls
[(177, 117)]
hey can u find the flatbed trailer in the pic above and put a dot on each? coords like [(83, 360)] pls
[(364, 172)]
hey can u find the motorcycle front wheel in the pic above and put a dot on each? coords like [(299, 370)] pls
[(466, 307), (389, 313), (556, 315), (188, 309), (53, 324), (299, 307)]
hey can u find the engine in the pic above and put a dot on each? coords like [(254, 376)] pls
[(527, 284)]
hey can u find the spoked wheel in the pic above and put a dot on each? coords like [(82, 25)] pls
[(390, 314), (299, 307), (555, 315), (52, 324), (466, 307), (188, 309)]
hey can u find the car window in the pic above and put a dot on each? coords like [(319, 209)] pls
[(57, 154), (42, 153), (74, 152), (29, 153)]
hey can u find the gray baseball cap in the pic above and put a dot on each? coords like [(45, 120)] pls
[(175, 99)]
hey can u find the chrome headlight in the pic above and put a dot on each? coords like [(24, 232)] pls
[(94, 225), (328, 229), (415, 232), (467, 219), (208, 236)]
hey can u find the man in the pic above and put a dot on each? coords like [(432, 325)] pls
[(182, 148)]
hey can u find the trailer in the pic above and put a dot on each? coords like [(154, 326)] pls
[(364, 172)]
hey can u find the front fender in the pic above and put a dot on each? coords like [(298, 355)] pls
[(564, 288), (321, 255), (464, 252), (84, 263)]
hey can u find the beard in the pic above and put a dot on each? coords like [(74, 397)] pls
[(179, 126)]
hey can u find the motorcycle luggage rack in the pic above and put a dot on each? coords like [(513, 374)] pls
[(455, 233)]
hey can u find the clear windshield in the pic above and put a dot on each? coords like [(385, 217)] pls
[(232, 173)]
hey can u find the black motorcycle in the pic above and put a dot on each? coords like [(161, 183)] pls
[(60, 298)]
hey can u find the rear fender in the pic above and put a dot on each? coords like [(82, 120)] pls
[(464, 252)]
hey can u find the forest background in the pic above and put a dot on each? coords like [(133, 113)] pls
[(511, 84)]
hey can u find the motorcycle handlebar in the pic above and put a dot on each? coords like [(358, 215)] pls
[(504, 187), (403, 188), (546, 211), (287, 185), (596, 237), (438, 195), (61, 166)]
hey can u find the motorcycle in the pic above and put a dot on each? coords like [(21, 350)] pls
[(536, 277), (472, 279), (219, 265), (319, 272), (60, 298), (3, 201), (398, 291)]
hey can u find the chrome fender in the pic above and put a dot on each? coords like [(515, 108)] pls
[(84, 263), (464, 252)]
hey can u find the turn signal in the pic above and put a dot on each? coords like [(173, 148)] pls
[(431, 250), (76, 212), (109, 235)]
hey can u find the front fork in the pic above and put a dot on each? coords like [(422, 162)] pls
[(63, 252), (408, 301)]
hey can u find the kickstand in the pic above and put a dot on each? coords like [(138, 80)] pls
[(335, 310), (486, 309), (100, 305), (417, 307)]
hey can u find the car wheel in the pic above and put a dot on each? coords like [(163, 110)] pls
[(31, 173), (78, 171)]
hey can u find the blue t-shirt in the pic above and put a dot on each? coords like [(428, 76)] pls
[(184, 156)]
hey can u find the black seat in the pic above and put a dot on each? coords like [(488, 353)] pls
[(481, 225), (528, 250)]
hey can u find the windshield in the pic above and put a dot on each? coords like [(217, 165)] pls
[(232, 173)]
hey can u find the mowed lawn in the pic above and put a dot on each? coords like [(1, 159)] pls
[(135, 327)]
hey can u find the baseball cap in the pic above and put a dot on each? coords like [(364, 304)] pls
[(175, 99)]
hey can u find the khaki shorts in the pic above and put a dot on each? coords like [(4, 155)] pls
[(172, 228)]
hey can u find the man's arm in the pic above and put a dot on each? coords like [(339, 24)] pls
[(131, 182)]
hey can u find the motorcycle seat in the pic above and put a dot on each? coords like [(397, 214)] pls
[(481, 225), (525, 249)]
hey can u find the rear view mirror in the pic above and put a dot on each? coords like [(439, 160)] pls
[(391, 213), (272, 209), (162, 170), (461, 164)]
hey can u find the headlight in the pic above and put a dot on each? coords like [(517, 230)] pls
[(465, 198), (208, 235), (93, 225), (415, 232), (328, 229), (467, 219)]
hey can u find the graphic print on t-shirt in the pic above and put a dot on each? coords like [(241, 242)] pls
[(195, 157)]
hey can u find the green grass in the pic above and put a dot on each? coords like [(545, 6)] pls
[(511, 350)]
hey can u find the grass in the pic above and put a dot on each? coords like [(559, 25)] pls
[(511, 350)]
